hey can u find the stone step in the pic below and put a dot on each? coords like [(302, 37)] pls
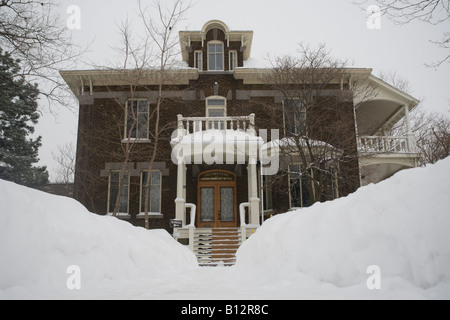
[(216, 246)]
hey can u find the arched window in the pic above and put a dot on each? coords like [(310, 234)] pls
[(215, 56)]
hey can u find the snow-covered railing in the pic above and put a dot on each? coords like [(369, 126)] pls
[(190, 125), (385, 144), (191, 226), (242, 207)]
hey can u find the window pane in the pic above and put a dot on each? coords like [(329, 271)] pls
[(155, 194), (198, 60), (295, 116), (156, 178), (219, 61), (114, 190), (215, 57), (137, 118), (226, 204), (207, 204), (233, 60), (306, 199), (216, 102)]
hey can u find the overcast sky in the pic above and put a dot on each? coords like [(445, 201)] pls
[(278, 28)]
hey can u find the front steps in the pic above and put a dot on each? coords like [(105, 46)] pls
[(216, 246)]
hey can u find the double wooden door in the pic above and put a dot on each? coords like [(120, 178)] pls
[(216, 199)]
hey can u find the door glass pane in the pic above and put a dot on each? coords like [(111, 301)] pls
[(226, 204), (207, 204)]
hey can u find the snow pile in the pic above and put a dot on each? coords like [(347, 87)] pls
[(41, 235), (401, 225)]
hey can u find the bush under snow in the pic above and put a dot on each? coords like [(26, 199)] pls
[(401, 225), (41, 235)]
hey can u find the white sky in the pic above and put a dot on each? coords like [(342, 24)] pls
[(278, 27)]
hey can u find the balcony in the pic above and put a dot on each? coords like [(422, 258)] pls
[(192, 125), (382, 156), (386, 144)]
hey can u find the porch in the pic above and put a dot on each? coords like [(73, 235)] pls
[(385, 140), (226, 207)]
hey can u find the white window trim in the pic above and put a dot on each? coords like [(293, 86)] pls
[(109, 211), (199, 66), (223, 55), (134, 139), (141, 195), (231, 52)]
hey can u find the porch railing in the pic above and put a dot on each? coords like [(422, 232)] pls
[(190, 125), (386, 144)]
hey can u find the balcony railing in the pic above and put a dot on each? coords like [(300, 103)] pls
[(387, 144), (196, 124)]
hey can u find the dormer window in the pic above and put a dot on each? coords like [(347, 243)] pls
[(215, 56)]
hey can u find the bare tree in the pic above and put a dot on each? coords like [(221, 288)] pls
[(65, 158), (429, 11), (35, 34), (149, 54), (162, 32), (432, 132), (318, 119), (431, 129)]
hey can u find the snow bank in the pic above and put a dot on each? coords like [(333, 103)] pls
[(41, 235), (401, 225)]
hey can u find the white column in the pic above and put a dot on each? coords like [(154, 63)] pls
[(180, 201), (254, 200), (411, 139)]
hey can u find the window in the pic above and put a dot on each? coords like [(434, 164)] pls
[(294, 116), (198, 60), (298, 185), (215, 56), (154, 204), (216, 108), (267, 193), (114, 185), (137, 119), (233, 60)]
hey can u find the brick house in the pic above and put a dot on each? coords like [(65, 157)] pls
[(217, 147)]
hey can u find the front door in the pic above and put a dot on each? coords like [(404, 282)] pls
[(217, 199)]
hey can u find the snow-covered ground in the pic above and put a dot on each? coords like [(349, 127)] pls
[(401, 226)]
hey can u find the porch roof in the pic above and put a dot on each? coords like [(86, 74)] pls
[(216, 146)]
